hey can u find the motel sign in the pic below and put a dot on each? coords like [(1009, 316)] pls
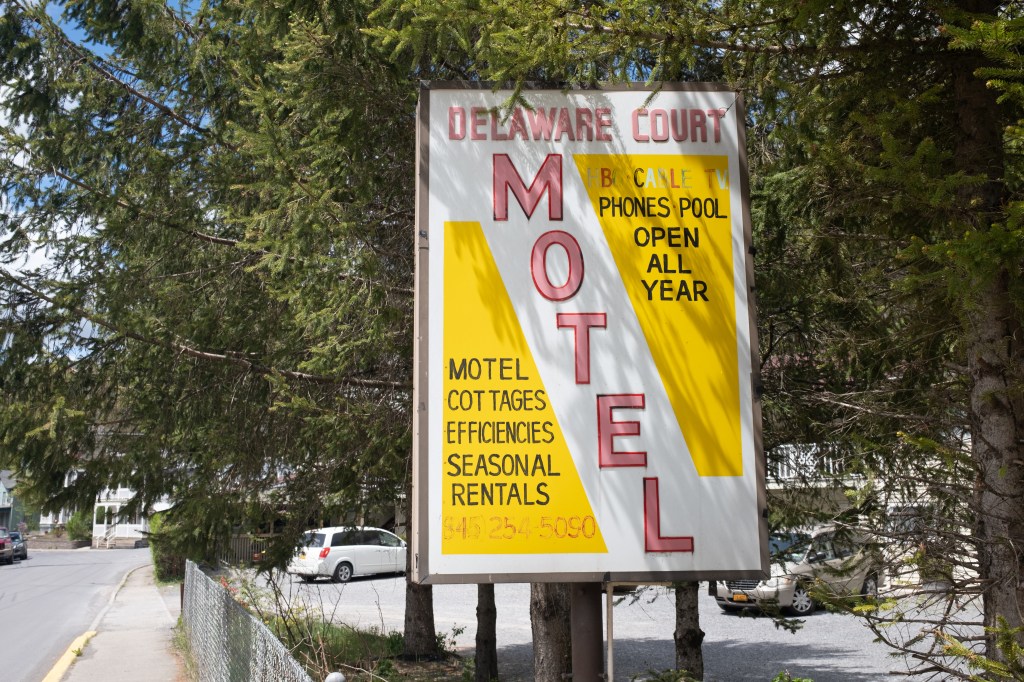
[(585, 403)]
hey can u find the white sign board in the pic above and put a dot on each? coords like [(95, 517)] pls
[(585, 387)]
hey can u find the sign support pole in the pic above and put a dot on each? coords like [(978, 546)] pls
[(585, 631), (609, 609)]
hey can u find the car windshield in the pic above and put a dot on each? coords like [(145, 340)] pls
[(313, 539), (15, 535)]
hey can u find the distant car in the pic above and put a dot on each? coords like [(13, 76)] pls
[(838, 560), (20, 544), (6, 547), (341, 552)]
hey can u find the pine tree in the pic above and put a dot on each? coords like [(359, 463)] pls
[(216, 207)]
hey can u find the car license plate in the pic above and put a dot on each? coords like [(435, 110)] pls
[(302, 555), (739, 596)]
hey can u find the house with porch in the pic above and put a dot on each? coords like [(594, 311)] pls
[(111, 529)]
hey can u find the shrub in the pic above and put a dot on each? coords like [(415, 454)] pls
[(168, 563), (79, 526)]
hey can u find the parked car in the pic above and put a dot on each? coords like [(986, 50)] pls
[(6, 547), (20, 544), (839, 560), (341, 552)]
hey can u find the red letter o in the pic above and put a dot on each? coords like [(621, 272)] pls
[(538, 265)]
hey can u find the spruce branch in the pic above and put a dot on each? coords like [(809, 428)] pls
[(243, 360)]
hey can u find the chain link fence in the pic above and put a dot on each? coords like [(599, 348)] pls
[(227, 642)]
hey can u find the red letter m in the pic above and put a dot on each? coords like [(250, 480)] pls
[(548, 178)]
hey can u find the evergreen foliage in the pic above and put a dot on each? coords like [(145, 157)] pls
[(206, 262)]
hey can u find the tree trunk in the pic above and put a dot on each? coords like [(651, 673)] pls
[(420, 641), (486, 658), (995, 355), (688, 635), (997, 442), (552, 640)]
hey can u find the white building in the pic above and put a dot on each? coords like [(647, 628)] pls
[(57, 519), (7, 484), (110, 529)]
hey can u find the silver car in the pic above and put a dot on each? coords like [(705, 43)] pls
[(836, 560), (341, 552), (20, 545)]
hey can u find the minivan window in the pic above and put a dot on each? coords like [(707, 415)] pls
[(796, 553), (843, 549), (822, 547), (313, 539)]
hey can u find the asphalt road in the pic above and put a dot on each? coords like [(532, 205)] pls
[(737, 648), (51, 598)]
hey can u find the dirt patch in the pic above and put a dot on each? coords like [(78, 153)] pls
[(447, 670)]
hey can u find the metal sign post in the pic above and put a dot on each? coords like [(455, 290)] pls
[(610, 615), (585, 630)]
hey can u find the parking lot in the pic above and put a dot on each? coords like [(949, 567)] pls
[(829, 648)]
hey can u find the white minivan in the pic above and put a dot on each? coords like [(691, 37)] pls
[(340, 552)]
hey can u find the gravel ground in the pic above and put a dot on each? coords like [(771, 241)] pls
[(829, 647)]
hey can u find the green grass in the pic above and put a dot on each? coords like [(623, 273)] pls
[(184, 649), (323, 647)]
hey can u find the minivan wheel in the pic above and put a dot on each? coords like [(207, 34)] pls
[(343, 572), (802, 604)]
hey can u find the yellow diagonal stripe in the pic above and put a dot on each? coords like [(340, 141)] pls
[(509, 484), (666, 221)]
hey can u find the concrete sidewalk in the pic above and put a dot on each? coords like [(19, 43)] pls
[(134, 636)]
